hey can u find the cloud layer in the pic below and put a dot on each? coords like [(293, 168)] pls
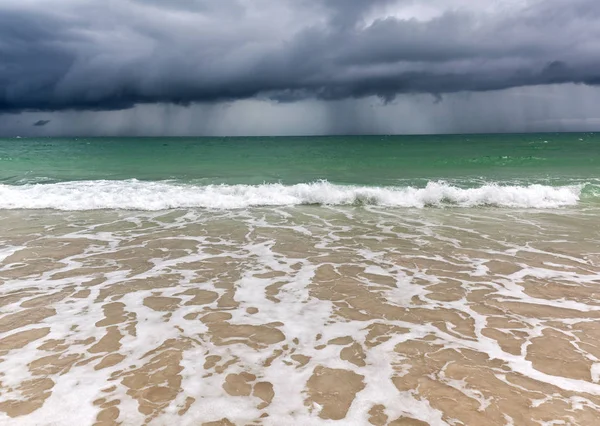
[(113, 55)]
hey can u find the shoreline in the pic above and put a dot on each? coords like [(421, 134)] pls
[(298, 315)]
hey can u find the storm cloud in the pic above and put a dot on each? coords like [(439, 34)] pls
[(93, 55)]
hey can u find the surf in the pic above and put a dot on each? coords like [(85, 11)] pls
[(164, 195)]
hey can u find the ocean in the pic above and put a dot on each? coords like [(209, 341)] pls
[(356, 280)]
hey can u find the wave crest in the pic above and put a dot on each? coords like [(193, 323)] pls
[(137, 195)]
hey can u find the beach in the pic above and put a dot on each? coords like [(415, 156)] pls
[(390, 283)]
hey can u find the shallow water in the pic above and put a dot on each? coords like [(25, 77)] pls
[(302, 315)]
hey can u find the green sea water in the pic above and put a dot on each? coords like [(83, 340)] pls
[(365, 160), (413, 162)]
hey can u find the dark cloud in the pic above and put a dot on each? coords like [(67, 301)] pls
[(89, 55), (41, 123)]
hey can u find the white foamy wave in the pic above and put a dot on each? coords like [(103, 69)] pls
[(136, 195)]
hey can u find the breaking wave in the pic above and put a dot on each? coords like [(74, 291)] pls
[(138, 195)]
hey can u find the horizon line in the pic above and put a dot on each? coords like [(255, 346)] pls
[(300, 135)]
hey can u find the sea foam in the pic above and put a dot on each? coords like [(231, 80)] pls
[(141, 195)]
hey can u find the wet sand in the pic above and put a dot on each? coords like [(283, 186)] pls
[(300, 316)]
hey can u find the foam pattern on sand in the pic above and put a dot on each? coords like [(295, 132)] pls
[(298, 316)]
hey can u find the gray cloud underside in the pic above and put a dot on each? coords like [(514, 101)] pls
[(93, 55)]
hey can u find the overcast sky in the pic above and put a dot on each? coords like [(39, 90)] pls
[(236, 67)]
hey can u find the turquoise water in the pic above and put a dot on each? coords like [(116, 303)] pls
[(368, 160), (193, 164)]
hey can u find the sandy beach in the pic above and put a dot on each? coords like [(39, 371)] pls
[(299, 213), (305, 315)]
